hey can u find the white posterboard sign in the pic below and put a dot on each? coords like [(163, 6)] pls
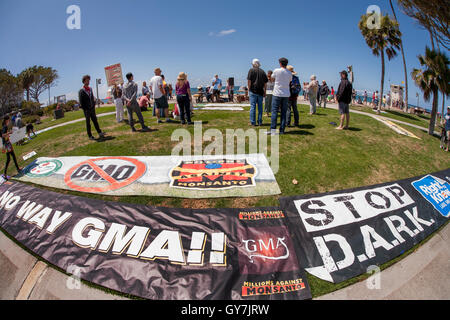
[(114, 74)]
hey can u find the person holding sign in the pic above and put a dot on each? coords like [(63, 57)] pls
[(7, 147)]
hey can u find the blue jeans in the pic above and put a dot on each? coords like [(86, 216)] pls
[(256, 99), (283, 103)]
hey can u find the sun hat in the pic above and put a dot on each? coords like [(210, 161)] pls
[(313, 77), (291, 69), (181, 76)]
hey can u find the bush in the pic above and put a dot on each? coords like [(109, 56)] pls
[(48, 111), (30, 107), (71, 103), (31, 119)]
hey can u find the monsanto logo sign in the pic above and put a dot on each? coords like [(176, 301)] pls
[(100, 175), (213, 174)]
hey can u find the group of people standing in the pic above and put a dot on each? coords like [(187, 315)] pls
[(281, 89)]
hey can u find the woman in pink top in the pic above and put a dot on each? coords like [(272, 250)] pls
[(184, 98)]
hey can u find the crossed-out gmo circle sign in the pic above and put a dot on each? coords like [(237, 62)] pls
[(44, 168), (104, 174)]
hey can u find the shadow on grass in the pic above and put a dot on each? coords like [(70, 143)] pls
[(306, 126), (401, 114), (109, 138), (354, 129), (299, 133)]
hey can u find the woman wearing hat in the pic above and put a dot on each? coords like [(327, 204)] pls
[(313, 88), (184, 98)]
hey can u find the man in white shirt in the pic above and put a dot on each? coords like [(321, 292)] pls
[(281, 93), (159, 94)]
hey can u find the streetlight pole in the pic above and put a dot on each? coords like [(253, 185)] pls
[(97, 82)]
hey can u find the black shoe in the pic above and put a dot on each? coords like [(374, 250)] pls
[(190, 122), (146, 129), (133, 129), (169, 121), (91, 138), (159, 121), (183, 122), (101, 134)]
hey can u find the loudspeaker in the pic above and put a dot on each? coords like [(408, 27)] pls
[(58, 114), (231, 81)]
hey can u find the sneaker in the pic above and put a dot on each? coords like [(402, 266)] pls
[(159, 121), (272, 132), (102, 134), (183, 122), (146, 129), (133, 129), (91, 138), (169, 121)]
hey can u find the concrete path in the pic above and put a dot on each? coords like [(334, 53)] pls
[(335, 106), (73, 121), (329, 105), (23, 277), (424, 274)]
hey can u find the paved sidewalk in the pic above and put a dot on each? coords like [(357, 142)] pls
[(73, 121), (335, 106), (23, 277)]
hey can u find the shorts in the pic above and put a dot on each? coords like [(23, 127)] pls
[(161, 103), (344, 108)]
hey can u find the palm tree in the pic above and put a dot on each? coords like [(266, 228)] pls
[(383, 39), (404, 61), (433, 78)]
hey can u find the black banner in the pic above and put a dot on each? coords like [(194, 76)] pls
[(347, 233), (158, 253)]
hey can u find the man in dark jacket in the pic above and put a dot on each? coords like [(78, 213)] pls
[(324, 92), (344, 97), (87, 103)]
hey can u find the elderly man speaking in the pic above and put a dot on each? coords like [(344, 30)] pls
[(257, 83)]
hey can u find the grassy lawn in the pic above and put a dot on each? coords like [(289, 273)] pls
[(68, 116), (319, 157), (422, 120)]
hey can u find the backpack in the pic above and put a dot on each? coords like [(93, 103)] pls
[(295, 86)]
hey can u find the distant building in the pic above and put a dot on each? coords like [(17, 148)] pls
[(396, 96)]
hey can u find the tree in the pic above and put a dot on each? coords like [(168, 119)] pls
[(44, 77), (383, 39), (433, 15), (10, 90), (434, 77), (26, 78), (404, 60)]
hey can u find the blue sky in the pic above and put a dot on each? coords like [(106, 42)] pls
[(200, 38)]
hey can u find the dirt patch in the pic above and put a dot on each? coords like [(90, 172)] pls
[(196, 203), (244, 202)]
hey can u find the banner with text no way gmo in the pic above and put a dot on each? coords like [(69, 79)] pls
[(345, 233), (158, 253)]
